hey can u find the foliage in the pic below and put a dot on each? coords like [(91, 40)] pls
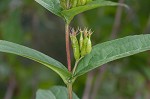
[(56, 92), (96, 23), (59, 68), (68, 15)]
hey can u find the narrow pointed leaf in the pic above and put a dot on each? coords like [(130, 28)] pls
[(69, 14), (112, 50), (51, 5), (56, 92), (9, 47)]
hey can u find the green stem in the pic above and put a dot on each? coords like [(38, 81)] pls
[(69, 86), (76, 64)]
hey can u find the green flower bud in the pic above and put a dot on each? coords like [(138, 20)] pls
[(83, 2), (74, 3), (75, 45), (79, 3), (89, 45), (83, 50), (81, 39)]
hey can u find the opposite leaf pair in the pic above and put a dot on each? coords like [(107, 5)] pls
[(55, 7), (100, 54)]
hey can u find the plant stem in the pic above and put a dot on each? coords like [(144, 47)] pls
[(69, 91), (76, 64), (68, 47)]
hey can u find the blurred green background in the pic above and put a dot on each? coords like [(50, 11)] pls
[(26, 22)]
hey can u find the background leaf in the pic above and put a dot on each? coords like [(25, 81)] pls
[(51, 5), (69, 14), (44, 94), (112, 50), (13, 48), (56, 92)]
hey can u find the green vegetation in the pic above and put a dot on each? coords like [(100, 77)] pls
[(20, 25)]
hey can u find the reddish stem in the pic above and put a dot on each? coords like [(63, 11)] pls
[(68, 47)]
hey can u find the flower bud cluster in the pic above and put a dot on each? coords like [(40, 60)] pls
[(75, 3), (68, 4), (82, 46)]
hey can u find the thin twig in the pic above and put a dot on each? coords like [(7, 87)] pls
[(147, 29), (11, 88), (88, 85), (98, 81), (117, 21)]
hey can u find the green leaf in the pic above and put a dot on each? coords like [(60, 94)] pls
[(44, 94), (9, 47), (51, 5), (55, 7), (56, 92), (112, 50), (69, 14), (61, 92)]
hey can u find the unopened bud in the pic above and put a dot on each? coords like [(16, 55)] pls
[(83, 2), (83, 50), (75, 45), (81, 39), (89, 45), (74, 3)]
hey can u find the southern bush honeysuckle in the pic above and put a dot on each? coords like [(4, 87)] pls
[(84, 45)]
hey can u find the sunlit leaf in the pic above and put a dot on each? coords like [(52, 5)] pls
[(112, 50), (9, 47)]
